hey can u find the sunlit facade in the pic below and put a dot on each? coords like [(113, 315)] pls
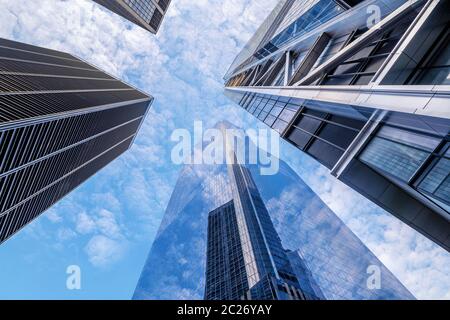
[(245, 257), (228, 233), (362, 87)]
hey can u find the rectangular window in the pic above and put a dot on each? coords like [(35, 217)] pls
[(398, 152), (436, 183), (436, 68)]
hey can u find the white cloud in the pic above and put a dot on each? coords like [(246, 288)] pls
[(103, 251), (84, 223), (183, 67), (53, 216), (65, 234), (107, 225)]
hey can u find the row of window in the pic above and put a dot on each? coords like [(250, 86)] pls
[(23, 183), (16, 83), (32, 67), (12, 53), (22, 106), (25, 144), (360, 68), (21, 215), (321, 12)]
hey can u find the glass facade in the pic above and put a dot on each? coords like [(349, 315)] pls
[(225, 267), (144, 8), (363, 65), (148, 14), (322, 130), (319, 13), (371, 103), (436, 183), (300, 243), (399, 152), (415, 158), (53, 136), (435, 69)]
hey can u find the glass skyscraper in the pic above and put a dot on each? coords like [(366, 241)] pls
[(360, 86), (245, 257), (147, 14), (61, 121), (230, 232)]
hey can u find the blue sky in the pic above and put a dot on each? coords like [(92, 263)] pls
[(108, 224)]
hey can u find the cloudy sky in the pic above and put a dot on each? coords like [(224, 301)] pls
[(107, 225)]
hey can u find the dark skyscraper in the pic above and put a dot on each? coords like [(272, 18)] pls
[(245, 257), (362, 87), (61, 121), (147, 14)]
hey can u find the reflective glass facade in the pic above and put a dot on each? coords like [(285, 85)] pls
[(220, 234), (319, 13), (61, 121), (368, 101)]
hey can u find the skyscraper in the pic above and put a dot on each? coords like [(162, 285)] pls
[(245, 257), (231, 233), (147, 14), (361, 86), (61, 121)]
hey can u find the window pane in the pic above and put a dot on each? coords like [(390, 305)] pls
[(397, 159), (437, 181), (417, 140), (276, 111), (326, 154), (339, 136), (309, 124), (300, 138), (439, 76), (279, 125), (287, 115), (270, 120)]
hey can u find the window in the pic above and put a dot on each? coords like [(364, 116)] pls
[(398, 152), (364, 64), (275, 111), (436, 183), (436, 68), (323, 135), (419, 160)]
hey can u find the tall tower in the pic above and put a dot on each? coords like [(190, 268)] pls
[(220, 234), (147, 14), (362, 87), (245, 257), (61, 121)]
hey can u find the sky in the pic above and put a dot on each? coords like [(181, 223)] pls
[(107, 225)]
